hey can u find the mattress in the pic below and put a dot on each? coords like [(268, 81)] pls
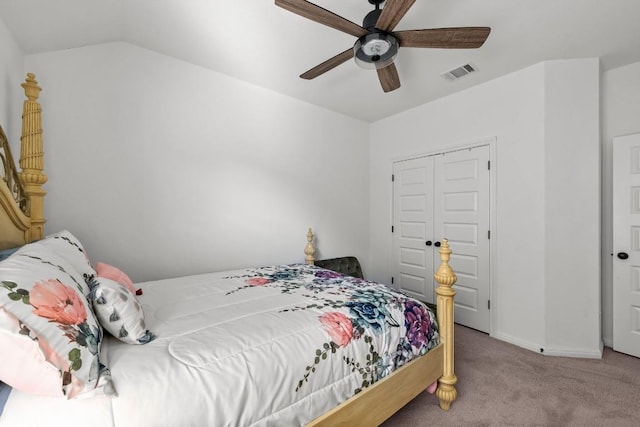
[(267, 346)]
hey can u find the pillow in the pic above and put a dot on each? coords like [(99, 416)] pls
[(49, 336), (43, 254), (110, 272), (119, 311), (5, 391), (7, 253), (67, 246), (30, 371)]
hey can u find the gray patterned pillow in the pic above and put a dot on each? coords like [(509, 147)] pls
[(119, 311)]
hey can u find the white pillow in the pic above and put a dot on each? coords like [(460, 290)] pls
[(119, 311), (48, 327)]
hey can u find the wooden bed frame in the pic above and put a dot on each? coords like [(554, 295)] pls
[(21, 196), (22, 221), (404, 384)]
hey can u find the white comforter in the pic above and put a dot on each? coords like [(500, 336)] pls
[(274, 346)]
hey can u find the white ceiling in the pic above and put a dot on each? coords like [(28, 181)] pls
[(258, 42)]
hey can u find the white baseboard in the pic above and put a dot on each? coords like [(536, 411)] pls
[(547, 351), (578, 353), (517, 341)]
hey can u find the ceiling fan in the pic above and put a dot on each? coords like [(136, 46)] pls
[(377, 45)]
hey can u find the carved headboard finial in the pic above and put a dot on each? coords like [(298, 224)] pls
[(32, 156), (31, 88)]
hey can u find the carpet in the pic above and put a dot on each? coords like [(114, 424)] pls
[(500, 384)]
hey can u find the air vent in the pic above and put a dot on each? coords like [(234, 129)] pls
[(461, 71)]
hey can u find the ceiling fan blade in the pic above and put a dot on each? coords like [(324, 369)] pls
[(327, 65), (392, 13), (322, 16), (445, 38), (389, 78)]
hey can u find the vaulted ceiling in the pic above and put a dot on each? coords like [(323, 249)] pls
[(260, 43)]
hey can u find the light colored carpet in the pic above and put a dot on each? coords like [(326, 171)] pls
[(503, 385)]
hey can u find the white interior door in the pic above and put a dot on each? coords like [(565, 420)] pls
[(412, 265), (461, 215), (626, 244)]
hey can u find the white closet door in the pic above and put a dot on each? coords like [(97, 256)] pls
[(626, 244), (412, 265), (461, 215)]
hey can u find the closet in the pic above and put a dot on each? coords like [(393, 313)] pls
[(444, 195)]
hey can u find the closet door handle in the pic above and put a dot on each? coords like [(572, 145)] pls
[(623, 255), (437, 244), (428, 243)]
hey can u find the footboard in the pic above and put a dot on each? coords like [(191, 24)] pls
[(445, 277), (375, 404)]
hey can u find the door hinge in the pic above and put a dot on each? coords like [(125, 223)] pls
[(393, 178), (392, 280), (489, 164), (489, 234), (488, 304), (392, 228)]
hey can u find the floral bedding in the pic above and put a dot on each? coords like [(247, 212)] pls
[(353, 311), (267, 346)]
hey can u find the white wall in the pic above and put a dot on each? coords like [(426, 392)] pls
[(572, 205), (620, 116), (515, 110), (164, 168), (11, 94), (512, 110)]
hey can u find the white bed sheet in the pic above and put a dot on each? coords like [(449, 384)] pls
[(219, 359)]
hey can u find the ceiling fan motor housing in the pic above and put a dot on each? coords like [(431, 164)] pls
[(376, 50)]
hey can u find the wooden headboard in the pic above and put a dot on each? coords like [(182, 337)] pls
[(21, 194)]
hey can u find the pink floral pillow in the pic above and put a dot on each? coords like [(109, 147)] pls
[(48, 328), (110, 272), (20, 348), (67, 246)]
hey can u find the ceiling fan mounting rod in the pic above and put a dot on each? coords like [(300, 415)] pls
[(371, 19)]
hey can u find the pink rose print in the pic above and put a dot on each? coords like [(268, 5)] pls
[(338, 326), (257, 281), (57, 302)]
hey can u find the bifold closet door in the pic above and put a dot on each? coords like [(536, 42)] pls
[(412, 265), (444, 196), (461, 214)]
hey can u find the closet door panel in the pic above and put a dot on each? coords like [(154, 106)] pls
[(461, 215), (412, 263)]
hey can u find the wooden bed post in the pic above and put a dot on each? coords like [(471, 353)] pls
[(445, 277), (309, 250), (32, 157)]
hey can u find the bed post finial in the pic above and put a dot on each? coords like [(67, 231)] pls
[(445, 277), (310, 250), (32, 157)]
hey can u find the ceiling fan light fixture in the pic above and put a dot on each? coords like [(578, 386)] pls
[(375, 50)]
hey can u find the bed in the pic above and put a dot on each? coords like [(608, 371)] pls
[(277, 345)]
